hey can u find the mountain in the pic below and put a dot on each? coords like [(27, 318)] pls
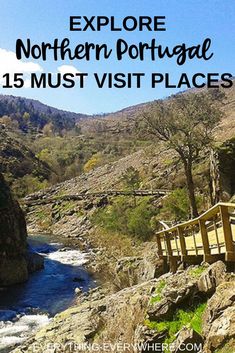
[(46, 144), (125, 120), (19, 164), (32, 113)]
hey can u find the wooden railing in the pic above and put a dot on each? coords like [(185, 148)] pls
[(206, 237)]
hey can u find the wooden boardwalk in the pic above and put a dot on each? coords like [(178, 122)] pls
[(208, 238), (43, 200)]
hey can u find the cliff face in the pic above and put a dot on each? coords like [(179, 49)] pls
[(13, 265)]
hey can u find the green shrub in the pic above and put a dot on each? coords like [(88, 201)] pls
[(131, 179), (176, 206), (124, 217), (27, 185), (138, 222), (196, 272), (191, 318), (92, 163)]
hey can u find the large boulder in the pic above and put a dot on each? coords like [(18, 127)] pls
[(212, 277), (13, 265), (162, 310), (219, 317), (139, 269)]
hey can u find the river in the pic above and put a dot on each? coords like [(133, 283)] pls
[(26, 307)]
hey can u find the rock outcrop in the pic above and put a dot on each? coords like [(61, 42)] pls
[(188, 339), (15, 259), (13, 265), (219, 318), (212, 277), (138, 269)]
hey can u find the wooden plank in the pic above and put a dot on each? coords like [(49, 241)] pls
[(205, 216), (173, 263)]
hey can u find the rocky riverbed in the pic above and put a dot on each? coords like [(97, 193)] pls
[(140, 317), (26, 307)]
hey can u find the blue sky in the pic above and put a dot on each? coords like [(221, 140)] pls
[(189, 21)]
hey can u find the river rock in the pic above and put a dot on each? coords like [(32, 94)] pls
[(78, 291)]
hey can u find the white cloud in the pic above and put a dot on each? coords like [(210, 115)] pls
[(65, 69), (9, 64)]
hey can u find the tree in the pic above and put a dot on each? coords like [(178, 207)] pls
[(48, 129), (131, 179), (92, 163), (186, 122), (26, 117)]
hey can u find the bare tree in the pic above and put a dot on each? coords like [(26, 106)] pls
[(185, 122)]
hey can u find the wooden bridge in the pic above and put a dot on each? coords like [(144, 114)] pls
[(44, 199), (208, 238)]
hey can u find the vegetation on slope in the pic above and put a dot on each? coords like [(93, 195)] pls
[(190, 317), (126, 215), (67, 146)]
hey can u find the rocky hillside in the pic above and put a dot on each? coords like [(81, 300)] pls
[(67, 144), (16, 160), (109, 176), (125, 120)]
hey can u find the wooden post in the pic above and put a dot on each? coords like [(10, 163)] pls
[(159, 246), (194, 240), (228, 236), (207, 257), (168, 243), (182, 243), (176, 243), (171, 259), (173, 264), (216, 234)]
